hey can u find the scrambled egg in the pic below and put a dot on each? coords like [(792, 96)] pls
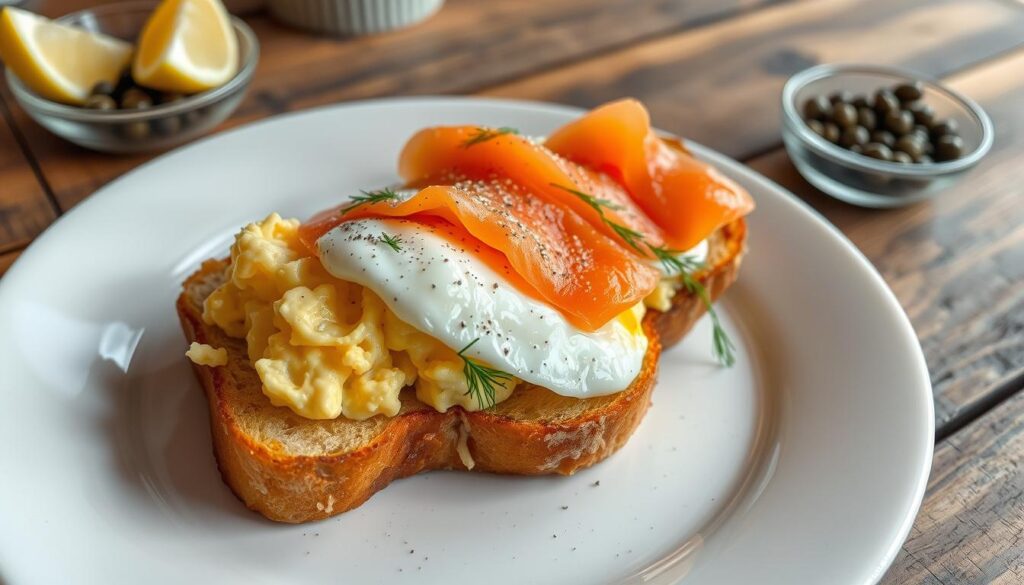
[(324, 347), (206, 355), (661, 297)]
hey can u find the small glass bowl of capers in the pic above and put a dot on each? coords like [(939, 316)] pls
[(880, 136), (125, 117)]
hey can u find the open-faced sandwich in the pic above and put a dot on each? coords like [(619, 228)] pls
[(502, 311)]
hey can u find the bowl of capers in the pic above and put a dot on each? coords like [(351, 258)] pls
[(125, 116), (880, 136)]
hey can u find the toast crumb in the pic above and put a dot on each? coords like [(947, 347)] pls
[(328, 508), (202, 354)]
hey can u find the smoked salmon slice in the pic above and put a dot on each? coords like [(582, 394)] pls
[(687, 198), (449, 154), (581, 271)]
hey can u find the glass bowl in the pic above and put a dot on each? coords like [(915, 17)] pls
[(862, 180), (161, 126)]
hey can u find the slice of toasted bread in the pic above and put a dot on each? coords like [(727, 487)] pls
[(293, 469)]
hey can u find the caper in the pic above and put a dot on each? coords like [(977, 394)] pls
[(170, 98), (135, 130), (816, 126), (923, 159), (923, 139), (886, 102), (136, 99), (878, 150), (817, 108), (102, 88), (840, 97), (857, 148), (884, 137), (844, 114), (123, 83), (923, 113), (944, 127), (861, 102), (901, 157), (831, 133), (100, 102), (911, 145), (167, 126), (866, 117), (899, 121), (909, 92), (854, 135), (948, 147)]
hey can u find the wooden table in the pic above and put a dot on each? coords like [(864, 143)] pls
[(712, 70)]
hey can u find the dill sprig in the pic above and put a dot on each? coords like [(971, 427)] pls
[(482, 379), (484, 134), (394, 241), (597, 203), (632, 237), (673, 262), (720, 342), (385, 194)]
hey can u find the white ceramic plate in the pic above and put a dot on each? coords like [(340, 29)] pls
[(805, 463)]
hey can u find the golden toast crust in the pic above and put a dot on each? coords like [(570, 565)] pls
[(529, 434)]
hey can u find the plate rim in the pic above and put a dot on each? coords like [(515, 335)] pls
[(922, 393)]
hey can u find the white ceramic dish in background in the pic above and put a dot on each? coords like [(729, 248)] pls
[(352, 17), (805, 463)]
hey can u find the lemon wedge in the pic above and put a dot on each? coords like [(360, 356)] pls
[(187, 46), (57, 61)]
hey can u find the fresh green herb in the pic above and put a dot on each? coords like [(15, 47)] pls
[(673, 262), (720, 342), (482, 379), (632, 237), (597, 203), (385, 194), (485, 134), (394, 241)]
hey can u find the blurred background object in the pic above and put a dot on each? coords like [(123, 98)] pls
[(130, 114), (352, 17), (243, 7)]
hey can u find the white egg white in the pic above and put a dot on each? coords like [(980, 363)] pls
[(449, 294)]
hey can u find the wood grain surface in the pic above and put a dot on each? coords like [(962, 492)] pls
[(469, 45), (720, 84), (970, 530), (956, 263), (24, 208)]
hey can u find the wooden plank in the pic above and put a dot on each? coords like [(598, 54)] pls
[(24, 208), (720, 84), (6, 260), (971, 525), (956, 263), (468, 45)]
